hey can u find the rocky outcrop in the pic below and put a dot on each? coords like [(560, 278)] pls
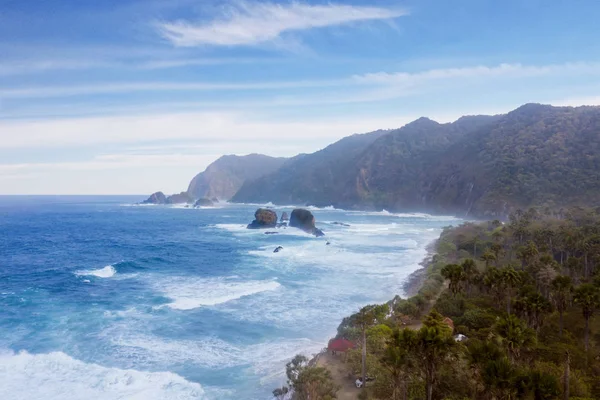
[(204, 202), (263, 218), (303, 219), (156, 198), (340, 224), (181, 198), (284, 217)]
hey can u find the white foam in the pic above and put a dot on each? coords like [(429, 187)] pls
[(188, 293), (56, 376), (105, 272)]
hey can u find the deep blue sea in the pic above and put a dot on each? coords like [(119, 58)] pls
[(103, 299)]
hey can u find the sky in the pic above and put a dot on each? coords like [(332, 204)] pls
[(135, 96)]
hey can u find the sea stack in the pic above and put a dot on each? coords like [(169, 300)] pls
[(263, 218), (303, 219)]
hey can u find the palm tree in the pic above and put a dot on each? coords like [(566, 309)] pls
[(533, 306), (471, 273), (515, 335), (455, 274), (488, 257), (509, 279), (560, 295), (496, 249), (587, 296), (499, 377), (528, 253)]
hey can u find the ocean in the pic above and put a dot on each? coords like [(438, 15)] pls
[(104, 299)]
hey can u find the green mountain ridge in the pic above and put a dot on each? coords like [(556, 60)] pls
[(476, 166)]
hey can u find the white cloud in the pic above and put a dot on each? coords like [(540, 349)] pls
[(115, 88), (502, 70), (252, 23), (387, 84), (113, 161), (224, 127)]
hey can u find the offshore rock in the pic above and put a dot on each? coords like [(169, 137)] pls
[(204, 202), (303, 219), (263, 218), (156, 198)]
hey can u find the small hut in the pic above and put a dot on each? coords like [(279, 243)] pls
[(340, 345)]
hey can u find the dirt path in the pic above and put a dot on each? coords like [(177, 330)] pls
[(340, 374)]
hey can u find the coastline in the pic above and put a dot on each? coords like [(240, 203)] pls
[(415, 280), (410, 288)]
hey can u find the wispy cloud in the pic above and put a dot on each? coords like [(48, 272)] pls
[(198, 127), (251, 23), (28, 67), (502, 70), (379, 85)]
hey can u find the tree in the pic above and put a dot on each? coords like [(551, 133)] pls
[(560, 294), (294, 368), (455, 274), (397, 359), (471, 274), (588, 298), (509, 279), (496, 249), (308, 383), (315, 383), (541, 386), (433, 343), (498, 376), (488, 257), (533, 306), (515, 335), (365, 318), (281, 393)]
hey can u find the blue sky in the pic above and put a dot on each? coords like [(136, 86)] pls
[(120, 97)]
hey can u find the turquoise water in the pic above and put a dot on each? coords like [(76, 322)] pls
[(102, 299)]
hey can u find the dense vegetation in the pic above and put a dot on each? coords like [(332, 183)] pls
[(478, 166), (524, 293)]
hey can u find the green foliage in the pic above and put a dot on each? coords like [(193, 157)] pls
[(522, 311)]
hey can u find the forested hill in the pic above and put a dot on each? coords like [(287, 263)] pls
[(477, 166)]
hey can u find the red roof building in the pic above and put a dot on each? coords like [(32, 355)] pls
[(340, 345)]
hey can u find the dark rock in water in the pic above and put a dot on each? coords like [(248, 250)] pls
[(156, 198), (340, 224), (277, 249), (214, 200), (282, 225), (284, 217), (271, 233), (181, 198), (204, 202), (264, 218), (328, 243), (303, 219)]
